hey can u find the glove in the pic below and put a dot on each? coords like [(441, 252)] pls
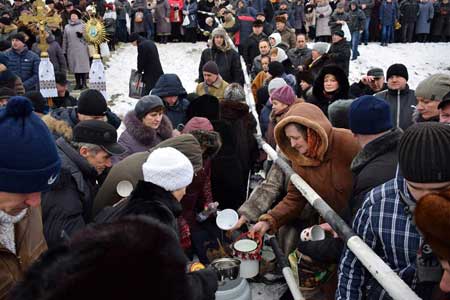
[(321, 16), (429, 20), (79, 34)]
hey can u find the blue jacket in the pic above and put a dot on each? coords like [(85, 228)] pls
[(191, 9), (170, 85), (26, 66), (385, 227), (388, 13)]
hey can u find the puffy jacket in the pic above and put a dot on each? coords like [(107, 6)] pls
[(401, 103), (25, 65), (388, 13)]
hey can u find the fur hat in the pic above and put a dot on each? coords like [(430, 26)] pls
[(423, 154), (341, 77), (168, 168), (76, 12), (218, 31), (25, 136), (205, 106), (432, 217), (234, 92), (321, 47), (280, 19)]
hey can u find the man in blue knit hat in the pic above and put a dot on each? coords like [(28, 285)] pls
[(29, 165)]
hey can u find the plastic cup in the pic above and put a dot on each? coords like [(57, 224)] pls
[(227, 219)]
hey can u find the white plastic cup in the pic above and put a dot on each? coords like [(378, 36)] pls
[(227, 219), (314, 233), (124, 188)]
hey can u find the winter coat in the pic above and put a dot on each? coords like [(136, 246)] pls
[(374, 165), (55, 54), (226, 59), (69, 115), (176, 8), (123, 8), (357, 20), (328, 174), (258, 83), (76, 48), (288, 36), (336, 16), (251, 48), (245, 25), (298, 57), (162, 11), (7, 31), (339, 53), (369, 6), (65, 101), (30, 244), (409, 11), (191, 12), (400, 103), (68, 205), (217, 89), (310, 17), (58, 128), (323, 13), (138, 138), (388, 13), (148, 62), (359, 89), (26, 66), (426, 14), (170, 85), (130, 169), (442, 20), (299, 16), (322, 99), (314, 67), (231, 166)]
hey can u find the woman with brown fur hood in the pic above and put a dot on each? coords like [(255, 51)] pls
[(321, 155), (146, 126)]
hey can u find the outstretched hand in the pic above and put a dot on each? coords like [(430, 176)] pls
[(261, 227)]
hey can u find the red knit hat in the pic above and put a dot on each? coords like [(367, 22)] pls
[(284, 94)]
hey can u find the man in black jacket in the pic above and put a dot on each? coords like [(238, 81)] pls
[(147, 61), (67, 207), (251, 47), (64, 98), (339, 52), (369, 84)]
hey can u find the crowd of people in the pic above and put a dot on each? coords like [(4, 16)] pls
[(89, 211)]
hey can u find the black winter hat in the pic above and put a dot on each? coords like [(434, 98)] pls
[(423, 153), (98, 133), (18, 36), (339, 32), (61, 78), (276, 69), (397, 70), (205, 106), (40, 105), (75, 12), (211, 67), (258, 23), (305, 76), (5, 20), (92, 103)]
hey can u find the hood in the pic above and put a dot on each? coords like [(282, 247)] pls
[(277, 37), (188, 145), (312, 117), (281, 55), (169, 85), (233, 110), (342, 92), (58, 127)]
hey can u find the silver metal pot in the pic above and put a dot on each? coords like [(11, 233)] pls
[(227, 268)]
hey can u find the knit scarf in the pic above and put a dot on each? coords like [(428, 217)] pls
[(7, 229)]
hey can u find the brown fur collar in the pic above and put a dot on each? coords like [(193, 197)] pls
[(146, 135), (231, 109), (58, 127)]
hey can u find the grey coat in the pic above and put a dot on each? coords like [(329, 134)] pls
[(426, 13), (298, 56), (322, 28), (76, 48), (162, 11)]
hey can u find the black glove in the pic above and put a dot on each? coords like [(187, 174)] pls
[(429, 20), (321, 16), (79, 34)]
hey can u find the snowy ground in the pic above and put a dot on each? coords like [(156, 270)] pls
[(183, 59)]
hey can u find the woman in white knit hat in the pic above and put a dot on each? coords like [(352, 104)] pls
[(167, 173)]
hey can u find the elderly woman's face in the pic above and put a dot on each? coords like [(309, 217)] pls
[(296, 139)]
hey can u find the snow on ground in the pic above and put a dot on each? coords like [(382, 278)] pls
[(183, 59)]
